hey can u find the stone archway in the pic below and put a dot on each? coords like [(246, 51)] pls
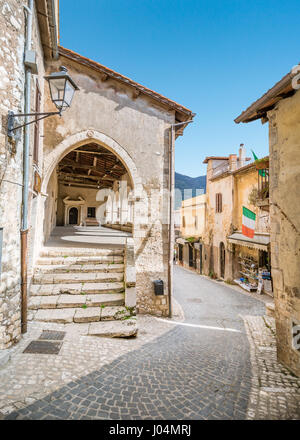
[(78, 140), (74, 141)]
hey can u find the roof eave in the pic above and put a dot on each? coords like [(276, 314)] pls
[(48, 26), (267, 102), (182, 113)]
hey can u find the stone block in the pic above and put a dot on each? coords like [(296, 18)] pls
[(48, 302), (114, 329), (65, 301), (91, 314), (113, 313), (110, 299), (277, 279), (130, 297), (270, 310), (62, 316)]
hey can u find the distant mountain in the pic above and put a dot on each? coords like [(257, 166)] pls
[(189, 187)]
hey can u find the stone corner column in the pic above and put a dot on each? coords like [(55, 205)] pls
[(130, 274)]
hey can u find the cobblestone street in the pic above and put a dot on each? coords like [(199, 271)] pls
[(219, 363)]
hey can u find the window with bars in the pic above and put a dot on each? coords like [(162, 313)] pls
[(218, 202), (36, 143)]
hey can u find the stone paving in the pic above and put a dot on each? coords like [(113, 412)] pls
[(23, 381), (219, 363), (275, 392)]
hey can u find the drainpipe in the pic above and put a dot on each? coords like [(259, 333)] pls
[(171, 209), (25, 193)]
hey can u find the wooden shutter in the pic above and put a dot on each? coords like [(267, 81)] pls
[(219, 202)]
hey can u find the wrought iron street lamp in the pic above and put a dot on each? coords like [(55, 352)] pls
[(62, 89)]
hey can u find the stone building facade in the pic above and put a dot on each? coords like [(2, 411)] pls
[(192, 226), (135, 126), (230, 181), (111, 112), (280, 106)]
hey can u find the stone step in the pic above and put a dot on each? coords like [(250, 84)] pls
[(114, 329), (75, 278), (82, 268), (75, 289), (71, 301), (80, 315), (80, 252), (83, 260)]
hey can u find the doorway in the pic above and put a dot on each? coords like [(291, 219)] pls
[(222, 260), (73, 216), (192, 256)]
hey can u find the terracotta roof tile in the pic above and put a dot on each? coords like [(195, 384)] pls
[(142, 89)]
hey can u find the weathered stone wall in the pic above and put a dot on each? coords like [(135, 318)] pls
[(12, 38), (138, 130), (35, 200), (284, 126), (11, 98)]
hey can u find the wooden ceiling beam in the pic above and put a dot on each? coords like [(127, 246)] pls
[(82, 185), (87, 176), (67, 179), (83, 176), (72, 164), (95, 152)]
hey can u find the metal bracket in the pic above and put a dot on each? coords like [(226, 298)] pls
[(11, 120)]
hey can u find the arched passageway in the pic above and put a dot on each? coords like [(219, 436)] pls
[(88, 188)]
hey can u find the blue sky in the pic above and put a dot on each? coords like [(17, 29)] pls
[(214, 57)]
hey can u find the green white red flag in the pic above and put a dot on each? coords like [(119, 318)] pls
[(248, 223)]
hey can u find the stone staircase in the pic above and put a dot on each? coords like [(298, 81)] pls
[(79, 285)]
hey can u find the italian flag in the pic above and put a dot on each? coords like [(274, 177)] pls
[(248, 224)]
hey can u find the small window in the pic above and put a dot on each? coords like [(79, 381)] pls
[(36, 143), (183, 221), (218, 202), (91, 213)]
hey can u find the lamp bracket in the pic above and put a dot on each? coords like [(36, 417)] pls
[(38, 117)]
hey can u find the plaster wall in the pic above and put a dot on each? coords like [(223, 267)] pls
[(192, 209), (244, 183), (218, 225)]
